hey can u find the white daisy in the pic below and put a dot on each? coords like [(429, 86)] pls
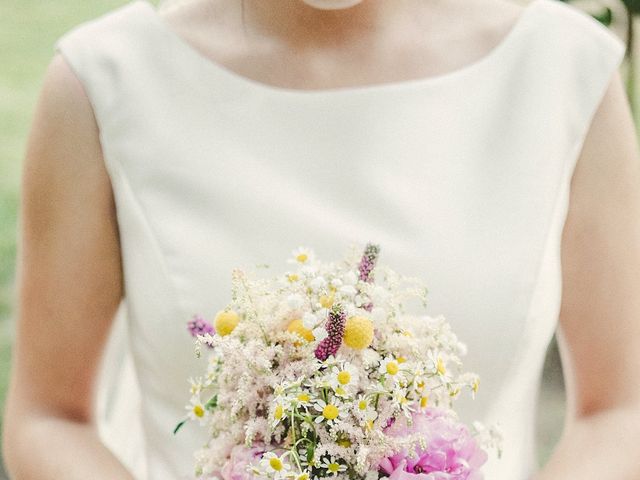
[(278, 413), (435, 363), (344, 378), (364, 409), (401, 402), (331, 412), (304, 475), (196, 409), (275, 466), (195, 386), (389, 366), (332, 466), (300, 398), (302, 256)]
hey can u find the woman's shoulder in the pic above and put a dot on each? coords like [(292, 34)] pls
[(100, 49)]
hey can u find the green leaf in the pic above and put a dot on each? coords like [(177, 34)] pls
[(212, 403), (175, 430), (310, 450)]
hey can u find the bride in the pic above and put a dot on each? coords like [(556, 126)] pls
[(487, 146)]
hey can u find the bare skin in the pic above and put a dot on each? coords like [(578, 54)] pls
[(285, 43), (70, 278), (70, 284), (599, 332)]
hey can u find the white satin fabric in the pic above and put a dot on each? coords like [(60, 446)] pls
[(462, 178)]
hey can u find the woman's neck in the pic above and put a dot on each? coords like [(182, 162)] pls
[(295, 22)]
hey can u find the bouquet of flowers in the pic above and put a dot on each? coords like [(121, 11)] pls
[(320, 372)]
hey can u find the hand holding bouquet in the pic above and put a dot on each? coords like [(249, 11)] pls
[(320, 372)]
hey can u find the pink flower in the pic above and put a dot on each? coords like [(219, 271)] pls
[(239, 459), (451, 452)]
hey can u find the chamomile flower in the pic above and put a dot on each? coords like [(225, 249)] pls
[(344, 378), (285, 386), (319, 382), (196, 409), (301, 398), (389, 367), (195, 386), (364, 409), (275, 466), (331, 412), (304, 475), (332, 466), (435, 363), (471, 381), (291, 277), (278, 413), (401, 402), (302, 256), (423, 401)]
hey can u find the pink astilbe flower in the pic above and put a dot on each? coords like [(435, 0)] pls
[(240, 458), (451, 452), (335, 330)]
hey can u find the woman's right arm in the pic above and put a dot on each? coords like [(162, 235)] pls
[(70, 284)]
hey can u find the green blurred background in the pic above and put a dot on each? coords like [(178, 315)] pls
[(28, 30)]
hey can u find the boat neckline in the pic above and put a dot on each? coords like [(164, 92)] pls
[(493, 56)]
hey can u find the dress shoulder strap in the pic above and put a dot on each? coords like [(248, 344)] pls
[(586, 55), (104, 53)]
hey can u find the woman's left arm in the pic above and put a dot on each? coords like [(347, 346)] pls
[(599, 323)]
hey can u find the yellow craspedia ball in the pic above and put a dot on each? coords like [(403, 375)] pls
[(226, 322), (296, 326), (358, 332)]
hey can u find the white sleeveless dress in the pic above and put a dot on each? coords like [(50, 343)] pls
[(462, 178)]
